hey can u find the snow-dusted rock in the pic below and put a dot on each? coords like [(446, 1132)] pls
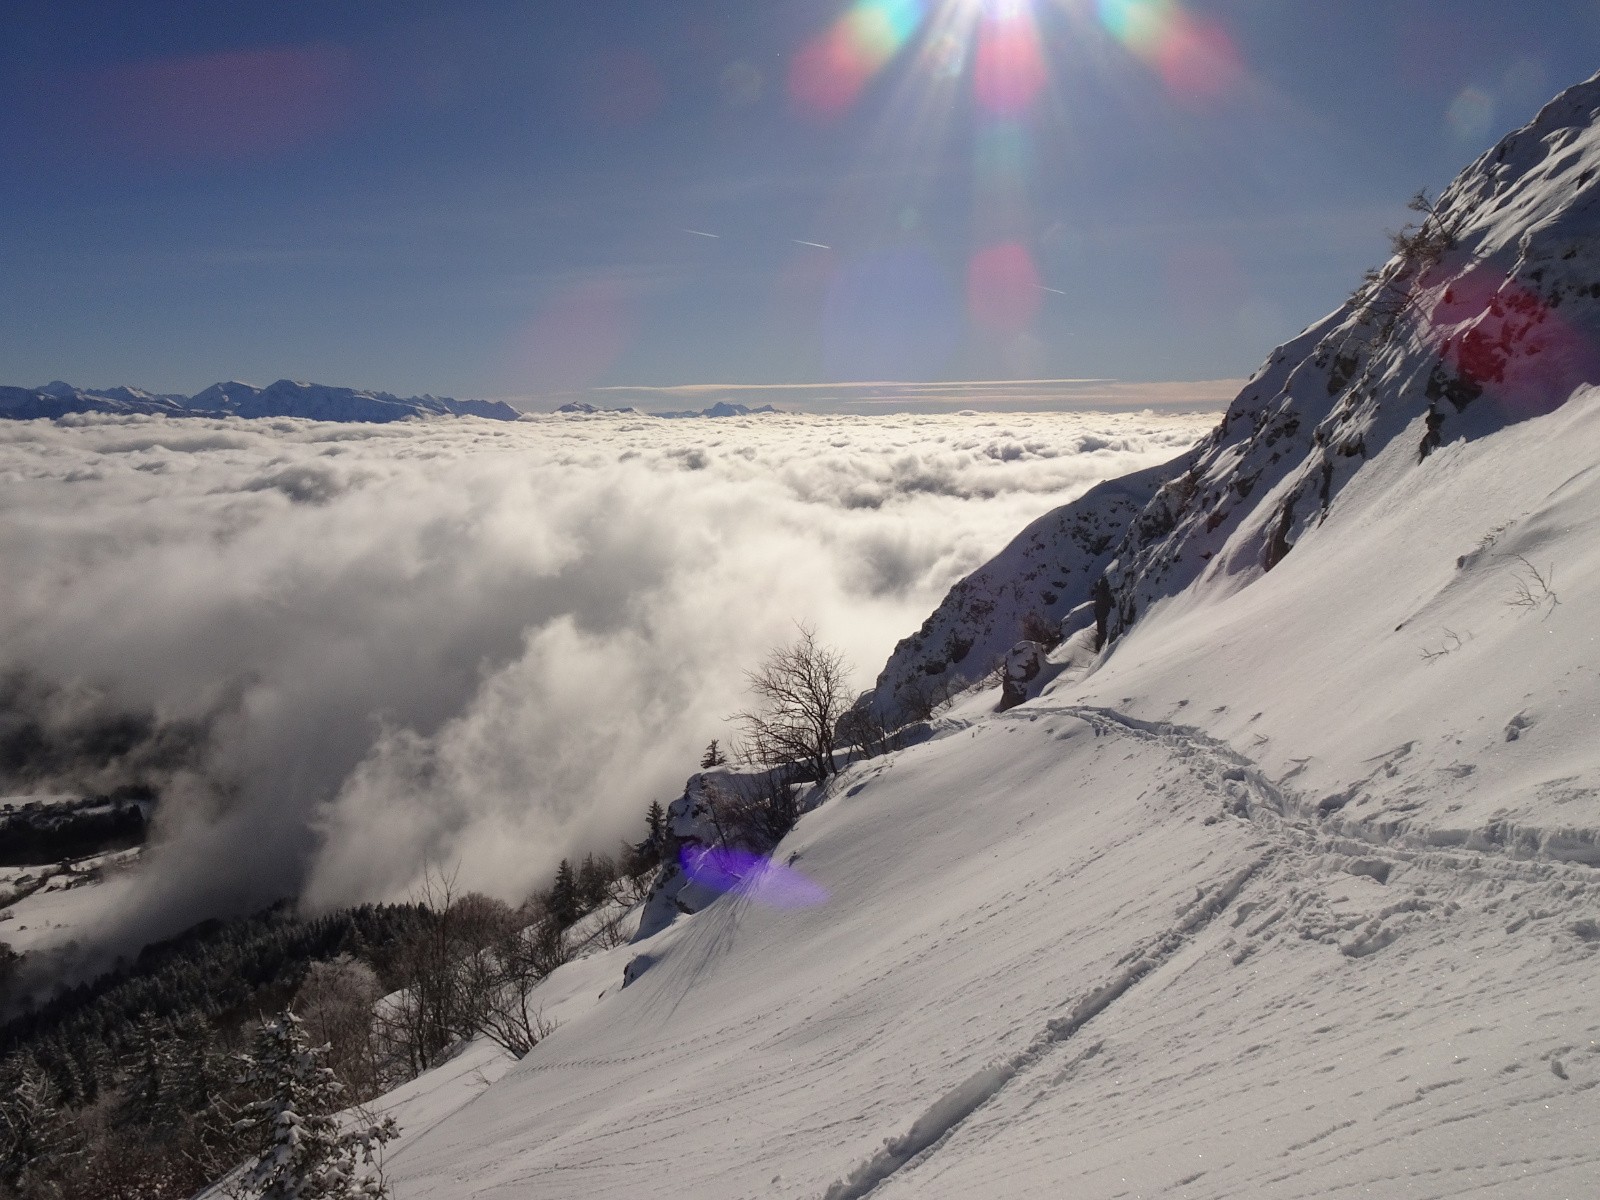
[(1499, 324)]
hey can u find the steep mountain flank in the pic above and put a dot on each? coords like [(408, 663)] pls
[(1488, 314)]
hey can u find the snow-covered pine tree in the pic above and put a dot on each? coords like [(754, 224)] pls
[(38, 1140), (302, 1152)]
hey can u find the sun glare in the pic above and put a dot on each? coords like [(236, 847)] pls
[(995, 69)]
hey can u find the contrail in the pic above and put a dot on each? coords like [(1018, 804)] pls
[(703, 233), (1052, 291), (818, 245)]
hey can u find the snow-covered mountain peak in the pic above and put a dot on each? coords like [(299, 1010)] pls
[(1487, 314)]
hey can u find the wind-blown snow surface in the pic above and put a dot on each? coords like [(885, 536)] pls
[(344, 650), (1292, 892), (1314, 913)]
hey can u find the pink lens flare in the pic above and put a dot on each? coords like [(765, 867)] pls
[(235, 105), (1198, 60), (576, 335), (753, 875), (1003, 288), (1499, 340), (833, 69), (1009, 74), (1194, 55)]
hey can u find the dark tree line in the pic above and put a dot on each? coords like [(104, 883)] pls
[(27, 839), (128, 1086)]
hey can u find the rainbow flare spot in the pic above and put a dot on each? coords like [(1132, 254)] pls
[(833, 69), (1194, 56)]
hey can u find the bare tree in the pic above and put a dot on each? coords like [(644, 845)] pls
[(336, 1001), (800, 692), (440, 999), (756, 813), (1387, 292), (505, 975)]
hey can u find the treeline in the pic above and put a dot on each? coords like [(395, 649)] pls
[(131, 1087), (134, 1086), (128, 1086), (32, 838)]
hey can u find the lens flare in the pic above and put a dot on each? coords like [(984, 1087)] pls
[(1003, 289), (1194, 56), (833, 69), (757, 877), (1009, 73)]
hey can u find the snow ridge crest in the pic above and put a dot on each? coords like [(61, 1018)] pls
[(1487, 314)]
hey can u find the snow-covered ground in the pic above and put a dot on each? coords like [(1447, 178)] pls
[(1294, 892), (58, 903), (1117, 941)]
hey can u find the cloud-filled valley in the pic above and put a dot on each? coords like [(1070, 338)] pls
[(341, 653)]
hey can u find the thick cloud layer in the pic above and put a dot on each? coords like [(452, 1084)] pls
[(346, 652)]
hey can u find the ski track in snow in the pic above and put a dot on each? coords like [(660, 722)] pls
[(946, 1114), (1067, 950), (1306, 950), (1301, 838)]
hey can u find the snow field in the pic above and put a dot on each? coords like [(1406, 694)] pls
[(1271, 905)]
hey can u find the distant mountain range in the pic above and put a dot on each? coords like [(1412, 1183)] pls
[(720, 409), (286, 398)]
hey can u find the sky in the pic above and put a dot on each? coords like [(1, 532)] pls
[(534, 200)]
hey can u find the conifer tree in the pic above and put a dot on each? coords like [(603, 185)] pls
[(594, 880), (37, 1138), (301, 1150), (564, 906), (655, 820)]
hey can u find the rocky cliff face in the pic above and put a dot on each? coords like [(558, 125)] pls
[(1488, 314)]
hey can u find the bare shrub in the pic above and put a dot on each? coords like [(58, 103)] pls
[(862, 728), (800, 696), (921, 698), (506, 975), (1038, 628), (1535, 588), (1453, 641), (755, 815), (440, 997)]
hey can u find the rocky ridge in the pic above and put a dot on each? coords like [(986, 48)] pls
[(1487, 314)]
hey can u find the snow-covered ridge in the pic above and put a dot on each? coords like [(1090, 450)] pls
[(1292, 890), (285, 398), (1498, 323)]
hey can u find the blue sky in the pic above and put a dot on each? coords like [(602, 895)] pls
[(533, 199)]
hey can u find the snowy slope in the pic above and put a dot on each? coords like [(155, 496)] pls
[(1498, 326), (1102, 946), (1292, 893)]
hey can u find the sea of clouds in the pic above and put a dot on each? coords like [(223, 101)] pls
[(345, 653)]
